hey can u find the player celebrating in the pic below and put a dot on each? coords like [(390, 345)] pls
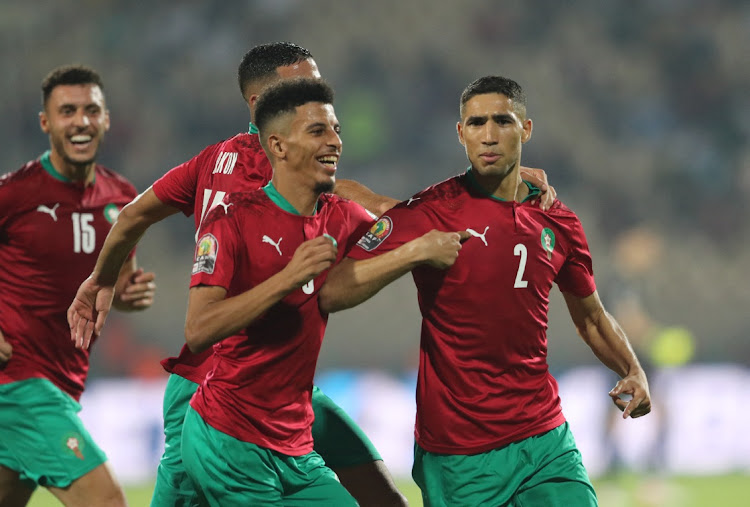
[(236, 164), (489, 427), (54, 214), (259, 265)]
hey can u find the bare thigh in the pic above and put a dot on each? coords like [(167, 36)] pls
[(371, 484), (13, 492), (98, 487)]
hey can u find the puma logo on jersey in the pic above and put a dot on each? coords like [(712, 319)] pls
[(275, 244), (412, 199), (50, 211), (224, 205), (225, 162), (480, 236), (309, 287)]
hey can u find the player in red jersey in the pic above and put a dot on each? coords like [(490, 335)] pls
[(236, 164), (54, 215), (259, 264), (489, 427), (193, 188)]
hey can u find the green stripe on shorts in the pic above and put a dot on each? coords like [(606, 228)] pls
[(43, 437)]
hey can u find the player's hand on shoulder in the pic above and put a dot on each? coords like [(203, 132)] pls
[(538, 178), (138, 293), (310, 259), (6, 350), (440, 249), (637, 399)]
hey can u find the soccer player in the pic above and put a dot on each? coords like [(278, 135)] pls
[(489, 427), (259, 264), (54, 214), (194, 187)]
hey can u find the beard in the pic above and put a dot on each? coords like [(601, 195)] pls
[(324, 187)]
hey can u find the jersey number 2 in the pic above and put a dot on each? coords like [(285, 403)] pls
[(84, 234), (520, 251)]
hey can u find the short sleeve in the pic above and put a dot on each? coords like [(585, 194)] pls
[(398, 226), (216, 251), (178, 186), (7, 200), (577, 273)]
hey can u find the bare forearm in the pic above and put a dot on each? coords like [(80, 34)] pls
[(213, 322), (357, 192), (610, 344), (131, 224), (353, 282)]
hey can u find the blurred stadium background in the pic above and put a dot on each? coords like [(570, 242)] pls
[(641, 114)]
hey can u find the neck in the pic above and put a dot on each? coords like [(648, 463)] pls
[(508, 186), (74, 172), (302, 198)]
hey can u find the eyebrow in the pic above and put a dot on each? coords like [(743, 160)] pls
[(485, 117)]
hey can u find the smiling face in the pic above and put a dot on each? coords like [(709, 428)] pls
[(314, 146), (492, 131), (75, 118)]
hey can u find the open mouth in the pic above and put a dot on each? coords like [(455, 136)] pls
[(81, 141), (329, 161)]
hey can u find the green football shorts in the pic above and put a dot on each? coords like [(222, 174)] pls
[(43, 439), (337, 438), (173, 485), (228, 471), (545, 469)]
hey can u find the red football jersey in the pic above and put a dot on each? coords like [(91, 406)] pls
[(259, 389), (51, 231), (234, 165), (483, 379)]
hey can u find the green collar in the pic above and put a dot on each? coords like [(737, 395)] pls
[(533, 191), (252, 129), (47, 164), (280, 201)]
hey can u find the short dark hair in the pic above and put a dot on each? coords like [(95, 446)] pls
[(261, 62), (69, 75), (495, 84), (285, 96)]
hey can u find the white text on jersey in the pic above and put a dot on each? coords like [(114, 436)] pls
[(225, 162)]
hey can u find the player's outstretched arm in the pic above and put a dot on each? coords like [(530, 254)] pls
[(538, 178), (135, 288), (608, 341), (211, 318), (90, 307), (354, 191), (352, 282)]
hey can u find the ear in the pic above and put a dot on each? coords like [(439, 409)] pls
[(106, 120), (460, 132), (251, 100), (527, 128), (44, 122), (276, 146)]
